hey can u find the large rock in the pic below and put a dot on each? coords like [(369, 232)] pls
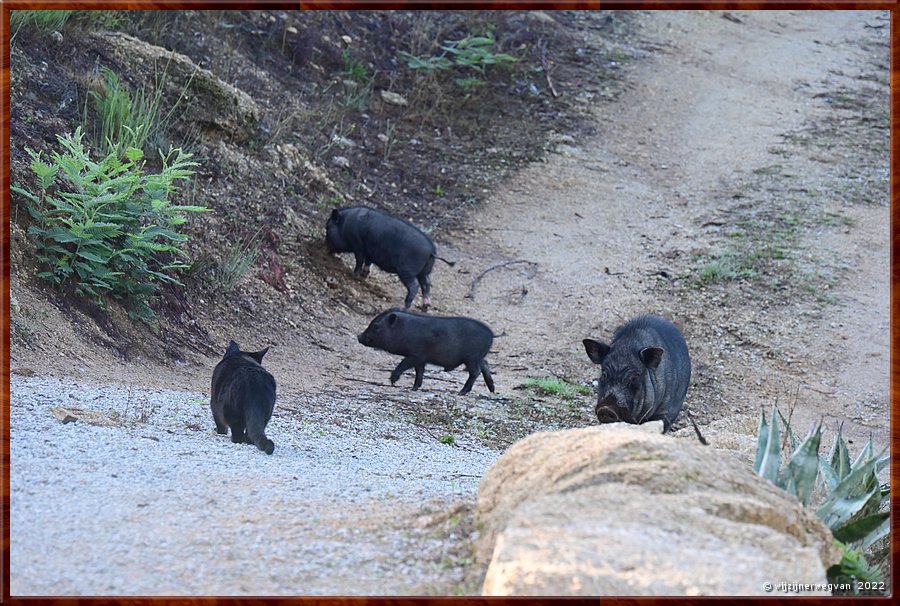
[(612, 510), (204, 98)]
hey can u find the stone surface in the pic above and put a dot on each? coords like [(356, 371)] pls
[(618, 510), (200, 95)]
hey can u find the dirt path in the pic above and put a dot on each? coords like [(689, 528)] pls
[(603, 217), (606, 228)]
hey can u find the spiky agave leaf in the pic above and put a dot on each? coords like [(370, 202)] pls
[(865, 530), (800, 474), (850, 496), (762, 438), (768, 453)]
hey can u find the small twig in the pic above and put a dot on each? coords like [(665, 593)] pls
[(822, 391), (363, 381), (790, 416), (471, 293), (546, 67), (697, 429)]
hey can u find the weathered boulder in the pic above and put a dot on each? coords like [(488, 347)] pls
[(201, 96), (613, 510)]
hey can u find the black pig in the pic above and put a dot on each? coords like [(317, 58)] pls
[(646, 372), (392, 244), (243, 397), (437, 340)]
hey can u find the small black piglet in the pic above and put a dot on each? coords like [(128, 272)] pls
[(426, 339), (243, 397)]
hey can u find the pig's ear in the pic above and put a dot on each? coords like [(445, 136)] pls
[(232, 347), (258, 355), (651, 356), (336, 216), (392, 320), (596, 350)]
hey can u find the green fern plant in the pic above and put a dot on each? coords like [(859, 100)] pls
[(108, 228), (854, 505)]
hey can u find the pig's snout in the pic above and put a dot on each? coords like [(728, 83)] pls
[(609, 409)]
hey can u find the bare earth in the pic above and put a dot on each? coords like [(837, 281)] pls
[(718, 127)]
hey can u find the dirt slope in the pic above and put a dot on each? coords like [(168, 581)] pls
[(757, 138)]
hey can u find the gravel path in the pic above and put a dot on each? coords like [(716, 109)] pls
[(141, 496)]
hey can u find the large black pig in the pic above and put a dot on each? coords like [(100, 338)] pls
[(392, 244), (423, 339), (645, 372)]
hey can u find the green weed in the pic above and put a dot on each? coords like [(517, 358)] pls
[(231, 270), (557, 387), (42, 21), (357, 85), (471, 52), (726, 267), (130, 121)]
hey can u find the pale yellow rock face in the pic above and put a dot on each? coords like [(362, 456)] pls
[(198, 94), (618, 510)]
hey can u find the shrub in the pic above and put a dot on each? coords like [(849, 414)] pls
[(108, 228), (853, 503)]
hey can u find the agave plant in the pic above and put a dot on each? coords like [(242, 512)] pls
[(853, 502)]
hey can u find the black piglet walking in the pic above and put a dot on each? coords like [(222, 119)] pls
[(243, 397)]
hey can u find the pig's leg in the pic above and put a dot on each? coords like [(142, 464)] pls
[(473, 374), (486, 373), (237, 431), (221, 427), (411, 289), (420, 372), (404, 365), (425, 283), (362, 267)]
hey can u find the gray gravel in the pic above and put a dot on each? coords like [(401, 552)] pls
[(154, 502)]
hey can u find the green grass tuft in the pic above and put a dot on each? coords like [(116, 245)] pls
[(44, 22), (556, 387)]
